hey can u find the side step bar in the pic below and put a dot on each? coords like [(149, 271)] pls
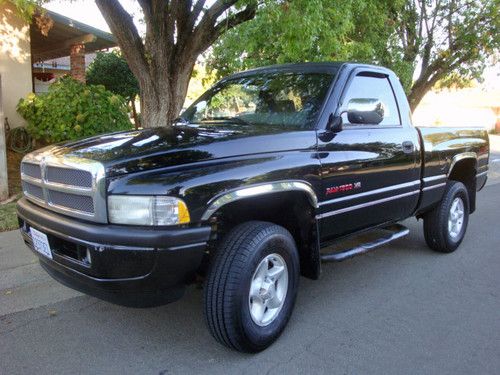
[(395, 231)]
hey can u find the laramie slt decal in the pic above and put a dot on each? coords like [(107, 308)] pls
[(343, 188)]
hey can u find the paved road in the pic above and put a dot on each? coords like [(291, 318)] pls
[(401, 309)]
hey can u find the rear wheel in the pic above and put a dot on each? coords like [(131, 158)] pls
[(445, 225), (251, 286)]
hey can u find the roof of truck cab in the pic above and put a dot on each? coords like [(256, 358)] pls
[(307, 67)]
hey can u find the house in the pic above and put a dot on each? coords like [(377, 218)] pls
[(47, 72), (27, 57), (30, 59)]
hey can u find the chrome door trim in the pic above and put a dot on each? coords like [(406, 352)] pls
[(371, 192), (367, 204), (427, 188), (434, 178)]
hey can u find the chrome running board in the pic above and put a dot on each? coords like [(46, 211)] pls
[(395, 232)]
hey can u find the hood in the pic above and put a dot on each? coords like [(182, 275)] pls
[(140, 150)]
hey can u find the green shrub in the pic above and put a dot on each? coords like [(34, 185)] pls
[(72, 110)]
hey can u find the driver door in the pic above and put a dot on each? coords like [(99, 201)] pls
[(369, 171)]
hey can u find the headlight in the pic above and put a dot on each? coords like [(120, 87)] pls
[(147, 210)]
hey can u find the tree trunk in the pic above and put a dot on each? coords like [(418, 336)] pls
[(422, 85), (137, 122), (162, 98), (154, 106), (416, 95), (177, 32)]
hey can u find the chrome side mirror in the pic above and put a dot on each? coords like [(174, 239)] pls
[(365, 111)]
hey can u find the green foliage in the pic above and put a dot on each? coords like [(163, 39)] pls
[(305, 30), (72, 110), (200, 82), (454, 80), (25, 8), (446, 42), (112, 71), (423, 41)]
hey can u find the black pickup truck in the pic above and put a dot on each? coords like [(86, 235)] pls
[(249, 189)]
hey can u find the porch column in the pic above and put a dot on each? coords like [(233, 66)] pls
[(77, 62), (4, 186)]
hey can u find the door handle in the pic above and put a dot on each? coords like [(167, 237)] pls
[(408, 147)]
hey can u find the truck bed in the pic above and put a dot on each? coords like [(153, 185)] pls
[(442, 147)]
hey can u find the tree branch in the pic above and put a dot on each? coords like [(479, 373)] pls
[(450, 25), (198, 7), (234, 20), (181, 10), (420, 24), (127, 36), (207, 23), (216, 10), (208, 30), (159, 38)]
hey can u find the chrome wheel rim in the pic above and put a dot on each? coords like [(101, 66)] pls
[(456, 218), (268, 289)]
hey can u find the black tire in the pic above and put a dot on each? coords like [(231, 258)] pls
[(436, 231), (227, 286)]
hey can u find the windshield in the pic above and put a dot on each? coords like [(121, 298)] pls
[(286, 99)]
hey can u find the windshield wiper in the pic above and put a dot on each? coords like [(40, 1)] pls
[(234, 119)]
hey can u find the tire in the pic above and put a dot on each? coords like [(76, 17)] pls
[(235, 319), (440, 234)]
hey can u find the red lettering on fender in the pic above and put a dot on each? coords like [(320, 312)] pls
[(342, 188)]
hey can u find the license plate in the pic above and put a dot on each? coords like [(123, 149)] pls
[(41, 242)]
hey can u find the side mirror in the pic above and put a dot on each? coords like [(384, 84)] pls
[(334, 123), (365, 111)]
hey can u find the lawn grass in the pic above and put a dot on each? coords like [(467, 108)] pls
[(8, 218)]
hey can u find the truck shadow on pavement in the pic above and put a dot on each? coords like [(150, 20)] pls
[(180, 326)]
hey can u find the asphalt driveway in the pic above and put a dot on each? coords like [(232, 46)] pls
[(402, 309)]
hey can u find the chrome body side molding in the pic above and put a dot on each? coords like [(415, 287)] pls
[(367, 204), (371, 192), (435, 178), (434, 186), (257, 190)]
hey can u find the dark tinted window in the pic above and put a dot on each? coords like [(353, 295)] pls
[(365, 87), (285, 99)]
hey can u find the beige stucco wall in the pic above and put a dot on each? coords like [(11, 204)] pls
[(15, 61)]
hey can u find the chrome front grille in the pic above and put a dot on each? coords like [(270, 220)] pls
[(71, 186), (73, 177), (32, 170), (32, 191), (76, 202)]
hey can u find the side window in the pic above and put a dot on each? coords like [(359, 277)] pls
[(369, 87)]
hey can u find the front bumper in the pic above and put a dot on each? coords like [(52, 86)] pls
[(131, 266)]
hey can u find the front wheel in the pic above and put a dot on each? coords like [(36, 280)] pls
[(445, 225), (251, 286)]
